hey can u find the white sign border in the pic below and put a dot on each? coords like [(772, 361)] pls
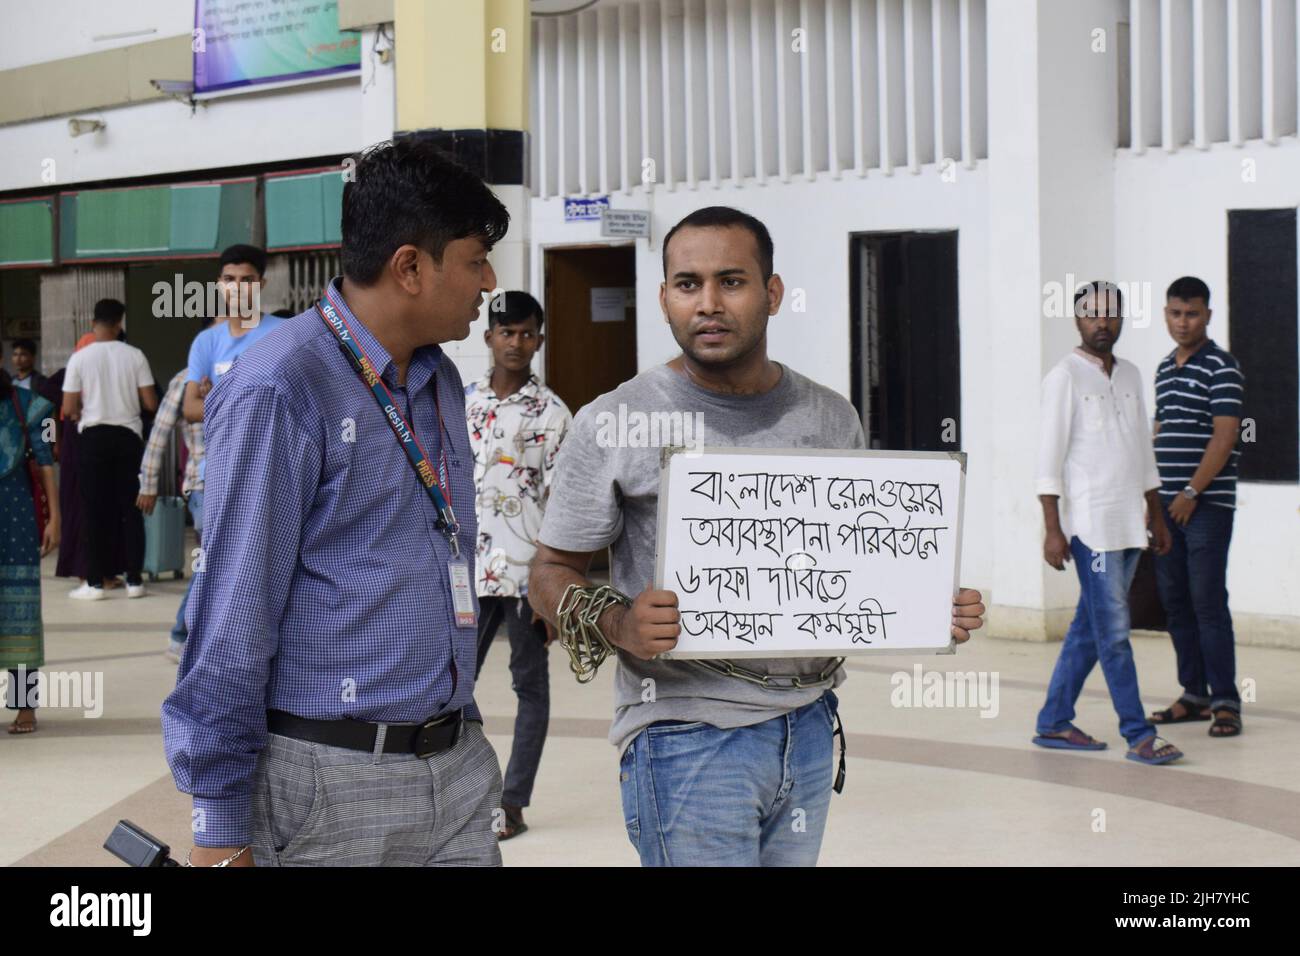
[(662, 530)]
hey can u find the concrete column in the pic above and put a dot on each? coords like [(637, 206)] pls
[(462, 81), (1052, 125)]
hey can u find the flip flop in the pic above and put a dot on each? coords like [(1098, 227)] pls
[(1191, 712), (1074, 739), (23, 727), (1149, 751), (514, 823)]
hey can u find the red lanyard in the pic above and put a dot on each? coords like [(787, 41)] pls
[(437, 485)]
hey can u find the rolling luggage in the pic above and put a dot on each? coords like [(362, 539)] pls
[(164, 530)]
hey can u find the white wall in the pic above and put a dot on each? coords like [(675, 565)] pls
[(1171, 220), (55, 29), (148, 139), (811, 224)]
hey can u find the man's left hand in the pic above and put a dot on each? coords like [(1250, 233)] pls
[(967, 614), (550, 628), (1181, 509), (1161, 540)]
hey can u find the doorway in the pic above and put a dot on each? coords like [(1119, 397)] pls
[(590, 303), (165, 339), (906, 344)]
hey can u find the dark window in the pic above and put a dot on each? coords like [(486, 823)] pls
[(1262, 311), (905, 340)]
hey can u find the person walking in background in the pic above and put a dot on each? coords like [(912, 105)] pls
[(23, 357), (107, 386), (1199, 394), (1095, 467), (26, 423), (516, 425), (215, 349), (168, 418)]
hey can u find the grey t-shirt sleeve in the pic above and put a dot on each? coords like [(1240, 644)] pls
[(856, 437), (584, 511)]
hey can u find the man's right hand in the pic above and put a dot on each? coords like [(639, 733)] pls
[(211, 855), (146, 502), (649, 627), (1056, 550)]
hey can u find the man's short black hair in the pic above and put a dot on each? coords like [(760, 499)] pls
[(1188, 288), (1106, 295), (409, 192), (109, 311), (240, 253), (723, 216), (27, 344), (513, 307), (284, 313)]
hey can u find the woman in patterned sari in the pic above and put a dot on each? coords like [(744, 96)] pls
[(22, 635)]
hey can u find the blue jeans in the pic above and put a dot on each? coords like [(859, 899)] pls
[(179, 632), (1192, 580), (1099, 633), (698, 795)]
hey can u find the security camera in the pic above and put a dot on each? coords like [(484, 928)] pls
[(173, 87), (79, 127)]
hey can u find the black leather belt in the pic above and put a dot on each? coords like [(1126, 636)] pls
[(424, 740)]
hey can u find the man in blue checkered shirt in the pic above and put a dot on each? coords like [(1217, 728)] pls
[(324, 710)]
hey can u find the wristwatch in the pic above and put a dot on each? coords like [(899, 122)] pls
[(1189, 493)]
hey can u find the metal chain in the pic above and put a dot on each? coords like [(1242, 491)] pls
[(579, 634), (788, 681)]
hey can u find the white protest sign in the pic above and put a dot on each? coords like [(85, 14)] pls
[(811, 553)]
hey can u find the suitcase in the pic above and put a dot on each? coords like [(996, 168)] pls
[(164, 530)]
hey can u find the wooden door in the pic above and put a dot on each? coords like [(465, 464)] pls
[(586, 355)]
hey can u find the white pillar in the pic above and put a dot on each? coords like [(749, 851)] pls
[(1052, 125)]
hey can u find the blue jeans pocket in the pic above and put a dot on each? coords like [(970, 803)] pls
[(627, 783)]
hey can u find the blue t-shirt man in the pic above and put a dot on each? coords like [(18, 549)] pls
[(215, 349)]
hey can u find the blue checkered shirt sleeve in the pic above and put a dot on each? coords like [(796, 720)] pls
[(262, 473)]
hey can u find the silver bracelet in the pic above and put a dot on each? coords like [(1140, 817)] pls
[(226, 862)]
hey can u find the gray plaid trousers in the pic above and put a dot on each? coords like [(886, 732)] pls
[(316, 805)]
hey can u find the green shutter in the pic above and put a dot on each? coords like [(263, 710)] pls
[(195, 217), (332, 197), (156, 221), (124, 222), (27, 232), (304, 210)]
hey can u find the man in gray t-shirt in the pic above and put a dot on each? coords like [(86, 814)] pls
[(741, 770)]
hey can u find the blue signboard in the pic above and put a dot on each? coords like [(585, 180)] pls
[(579, 209)]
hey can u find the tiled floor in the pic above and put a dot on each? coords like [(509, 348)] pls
[(926, 786)]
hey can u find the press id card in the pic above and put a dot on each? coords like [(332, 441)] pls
[(462, 595)]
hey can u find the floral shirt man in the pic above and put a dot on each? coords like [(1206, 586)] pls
[(515, 440)]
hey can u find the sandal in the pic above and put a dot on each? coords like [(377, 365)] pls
[(21, 726), (514, 823), (1192, 711), (1154, 751), (1071, 739), (1227, 723)]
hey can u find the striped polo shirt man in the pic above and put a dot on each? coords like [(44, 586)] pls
[(1188, 397)]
